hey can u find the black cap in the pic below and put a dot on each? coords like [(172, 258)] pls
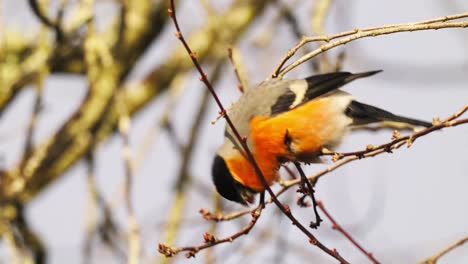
[(225, 183)]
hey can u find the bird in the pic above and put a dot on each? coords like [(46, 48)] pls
[(290, 120)]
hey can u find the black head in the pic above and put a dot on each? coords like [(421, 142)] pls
[(226, 185)]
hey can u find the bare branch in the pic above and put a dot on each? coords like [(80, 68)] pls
[(134, 246), (234, 58), (384, 148), (40, 12), (137, 95), (28, 145), (351, 35), (340, 229), (436, 257), (399, 140), (211, 240), (179, 202)]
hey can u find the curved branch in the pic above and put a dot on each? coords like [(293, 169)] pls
[(436, 257), (351, 35), (211, 240), (42, 16)]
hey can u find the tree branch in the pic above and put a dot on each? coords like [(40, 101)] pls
[(211, 240), (351, 35), (399, 140), (340, 229), (436, 257), (66, 149)]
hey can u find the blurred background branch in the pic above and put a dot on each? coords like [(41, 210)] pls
[(105, 51)]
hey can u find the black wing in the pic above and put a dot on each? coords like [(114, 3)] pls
[(283, 103), (317, 85), (321, 84)]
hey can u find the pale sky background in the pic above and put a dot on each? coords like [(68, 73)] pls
[(403, 207)]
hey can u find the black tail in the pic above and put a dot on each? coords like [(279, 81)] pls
[(363, 114)]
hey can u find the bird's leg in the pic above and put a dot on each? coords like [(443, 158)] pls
[(309, 190)]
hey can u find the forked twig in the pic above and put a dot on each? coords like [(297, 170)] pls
[(351, 35), (42, 16), (210, 240)]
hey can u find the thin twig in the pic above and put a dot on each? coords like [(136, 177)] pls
[(210, 257), (436, 257), (290, 18), (134, 246), (234, 59), (340, 229), (179, 202), (408, 140), (283, 12), (218, 217), (123, 20), (37, 105), (286, 13), (243, 140), (211, 240), (319, 15), (351, 35), (321, 9), (26, 244), (15, 244), (92, 205), (39, 11), (385, 148), (176, 89), (105, 228)]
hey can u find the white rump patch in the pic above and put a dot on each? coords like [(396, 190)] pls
[(299, 89), (341, 100)]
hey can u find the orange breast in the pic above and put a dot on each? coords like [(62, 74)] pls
[(244, 172), (308, 127)]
